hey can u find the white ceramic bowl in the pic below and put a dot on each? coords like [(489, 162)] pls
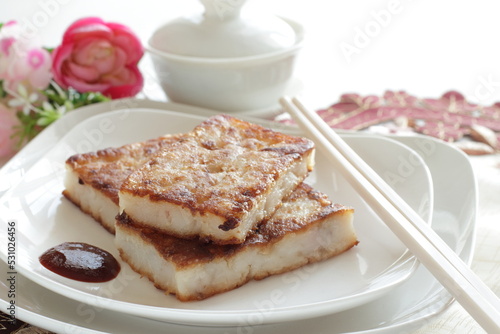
[(227, 84)]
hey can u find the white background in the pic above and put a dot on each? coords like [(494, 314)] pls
[(423, 47)]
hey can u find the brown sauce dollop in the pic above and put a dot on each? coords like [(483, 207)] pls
[(81, 262)]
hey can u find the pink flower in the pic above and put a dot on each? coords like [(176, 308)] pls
[(23, 60), (99, 56), (8, 120)]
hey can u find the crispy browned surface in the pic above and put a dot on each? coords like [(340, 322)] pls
[(105, 170), (220, 168), (288, 219)]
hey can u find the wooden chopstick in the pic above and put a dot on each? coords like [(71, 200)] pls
[(476, 298), (393, 197)]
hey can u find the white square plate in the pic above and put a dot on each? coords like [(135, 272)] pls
[(378, 264)]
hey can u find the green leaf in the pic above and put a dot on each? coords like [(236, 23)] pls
[(3, 93), (59, 101), (54, 96), (28, 128), (44, 121), (49, 114)]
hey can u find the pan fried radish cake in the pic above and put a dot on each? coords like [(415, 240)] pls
[(217, 182), (307, 228), (93, 179), (207, 211)]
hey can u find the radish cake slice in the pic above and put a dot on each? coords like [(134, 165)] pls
[(93, 179), (307, 228), (218, 182)]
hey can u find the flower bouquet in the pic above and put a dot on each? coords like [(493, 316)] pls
[(96, 61)]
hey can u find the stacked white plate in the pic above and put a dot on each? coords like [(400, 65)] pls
[(377, 286)]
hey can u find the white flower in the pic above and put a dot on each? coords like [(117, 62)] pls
[(50, 113), (23, 99)]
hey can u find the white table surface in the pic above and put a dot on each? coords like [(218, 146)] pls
[(423, 47)]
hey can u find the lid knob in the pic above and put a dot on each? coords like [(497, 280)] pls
[(222, 10)]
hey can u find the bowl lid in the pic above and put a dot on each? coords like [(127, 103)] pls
[(224, 30)]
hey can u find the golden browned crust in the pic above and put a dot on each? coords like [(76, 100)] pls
[(220, 168), (105, 170), (289, 217), (185, 253)]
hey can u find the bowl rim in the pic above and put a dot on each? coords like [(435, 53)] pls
[(296, 26)]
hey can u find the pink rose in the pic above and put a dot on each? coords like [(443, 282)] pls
[(96, 56), (22, 59), (8, 120)]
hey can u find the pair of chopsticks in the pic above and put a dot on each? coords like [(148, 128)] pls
[(444, 264)]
